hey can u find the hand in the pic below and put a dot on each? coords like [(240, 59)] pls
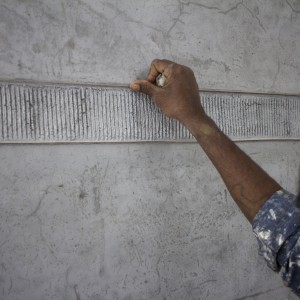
[(179, 97)]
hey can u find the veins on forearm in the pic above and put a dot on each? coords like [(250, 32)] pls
[(249, 205)]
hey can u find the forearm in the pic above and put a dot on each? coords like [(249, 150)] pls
[(276, 224), (249, 185)]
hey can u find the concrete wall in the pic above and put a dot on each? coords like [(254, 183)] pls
[(139, 221), (245, 45)]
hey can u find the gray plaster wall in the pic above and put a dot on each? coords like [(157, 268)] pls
[(234, 44), (140, 220), (130, 221)]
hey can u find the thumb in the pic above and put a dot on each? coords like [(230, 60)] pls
[(145, 87)]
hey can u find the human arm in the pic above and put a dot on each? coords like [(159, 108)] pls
[(248, 184), (272, 211)]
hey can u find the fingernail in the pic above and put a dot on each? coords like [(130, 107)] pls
[(135, 86)]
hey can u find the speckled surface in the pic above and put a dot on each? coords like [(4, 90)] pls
[(37, 113), (130, 221), (233, 44), (139, 221)]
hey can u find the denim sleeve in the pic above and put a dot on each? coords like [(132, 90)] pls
[(277, 229)]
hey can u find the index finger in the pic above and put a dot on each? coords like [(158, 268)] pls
[(159, 66)]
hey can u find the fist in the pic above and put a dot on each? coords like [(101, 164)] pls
[(179, 97)]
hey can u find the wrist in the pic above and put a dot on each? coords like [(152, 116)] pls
[(200, 126)]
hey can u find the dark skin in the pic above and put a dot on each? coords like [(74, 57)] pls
[(249, 185)]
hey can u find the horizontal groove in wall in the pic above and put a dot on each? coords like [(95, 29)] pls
[(37, 113)]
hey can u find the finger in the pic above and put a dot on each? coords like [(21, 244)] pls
[(159, 66), (145, 87)]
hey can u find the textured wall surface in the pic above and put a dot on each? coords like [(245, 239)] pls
[(139, 221), (232, 44), (37, 113), (130, 221)]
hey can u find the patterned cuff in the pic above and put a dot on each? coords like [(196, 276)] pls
[(275, 222)]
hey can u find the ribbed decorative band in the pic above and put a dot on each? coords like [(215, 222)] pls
[(44, 113)]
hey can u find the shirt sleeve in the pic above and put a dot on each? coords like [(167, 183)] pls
[(277, 229)]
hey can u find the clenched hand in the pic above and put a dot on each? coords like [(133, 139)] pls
[(179, 97)]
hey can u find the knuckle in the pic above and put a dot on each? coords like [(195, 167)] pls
[(189, 70), (154, 61), (168, 62), (178, 68), (147, 89), (184, 70)]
